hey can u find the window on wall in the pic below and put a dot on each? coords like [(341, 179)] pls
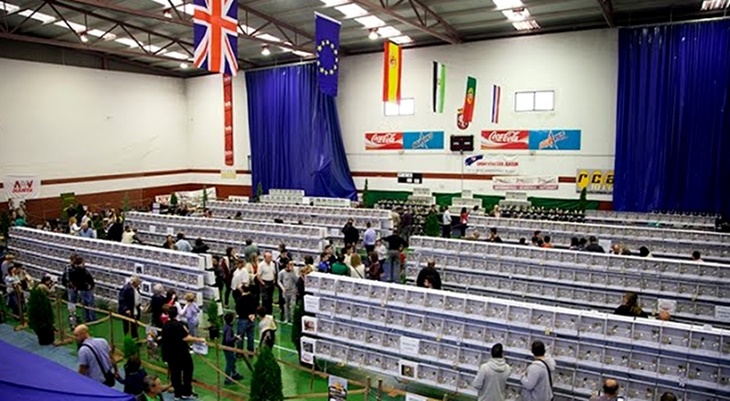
[(535, 101), (407, 107)]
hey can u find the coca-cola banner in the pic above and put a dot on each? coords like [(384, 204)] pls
[(416, 140), (492, 164), (505, 140), (384, 141), (521, 183)]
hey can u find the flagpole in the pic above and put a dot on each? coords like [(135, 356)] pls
[(316, 14)]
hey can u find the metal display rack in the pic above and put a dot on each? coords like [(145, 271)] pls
[(439, 338)]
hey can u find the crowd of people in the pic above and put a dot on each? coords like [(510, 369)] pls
[(246, 282), (536, 381)]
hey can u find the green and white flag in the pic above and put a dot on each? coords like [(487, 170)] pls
[(439, 87)]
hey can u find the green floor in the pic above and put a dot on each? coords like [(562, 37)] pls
[(296, 381)]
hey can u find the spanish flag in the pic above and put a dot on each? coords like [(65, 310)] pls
[(391, 73)]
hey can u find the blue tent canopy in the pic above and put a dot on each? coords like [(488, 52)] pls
[(28, 377)]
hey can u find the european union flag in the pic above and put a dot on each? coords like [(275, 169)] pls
[(328, 53)]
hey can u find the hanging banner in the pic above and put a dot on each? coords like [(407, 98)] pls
[(337, 390), (423, 140), (520, 183), (492, 164), (228, 119), (384, 141), (505, 140), (555, 139), (414, 140), (465, 115), (596, 181), (22, 186)]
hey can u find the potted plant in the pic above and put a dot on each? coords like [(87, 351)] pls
[(266, 378), (40, 316), (259, 191), (205, 197), (173, 200), (131, 348), (214, 321), (366, 196)]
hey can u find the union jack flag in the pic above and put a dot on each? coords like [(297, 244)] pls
[(215, 31)]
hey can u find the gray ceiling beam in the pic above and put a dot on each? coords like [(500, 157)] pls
[(159, 16), (80, 47), (426, 20), (607, 10)]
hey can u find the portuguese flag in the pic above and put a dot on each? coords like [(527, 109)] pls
[(469, 99), (391, 72)]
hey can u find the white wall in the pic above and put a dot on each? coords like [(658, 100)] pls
[(205, 128), (581, 67), (66, 122)]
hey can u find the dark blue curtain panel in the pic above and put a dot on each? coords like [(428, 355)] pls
[(296, 141), (673, 123)]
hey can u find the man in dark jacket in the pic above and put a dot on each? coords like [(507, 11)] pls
[(129, 305), (83, 282), (429, 272), (246, 310), (352, 234), (396, 245), (593, 245)]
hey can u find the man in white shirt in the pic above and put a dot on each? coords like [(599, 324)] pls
[(369, 237), (94, 355), (446, 223), (182, 244), (266, 277), (240, 280)]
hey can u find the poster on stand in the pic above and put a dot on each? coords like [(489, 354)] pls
[(522, 183), (337, 390), (492, 164), (307, 350)]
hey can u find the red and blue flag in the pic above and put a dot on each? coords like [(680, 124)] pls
[(215, 33)]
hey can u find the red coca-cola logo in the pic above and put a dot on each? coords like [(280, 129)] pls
[(505, 139), (384, 140)]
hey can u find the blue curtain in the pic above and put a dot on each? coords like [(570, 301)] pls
[(673, 125), (296, 141)]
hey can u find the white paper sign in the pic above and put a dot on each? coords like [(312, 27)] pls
[(309, 325), (409, 346), (153, 229), (415, 397), (170, 231), (311, 304), (722, 313), (307, 350)]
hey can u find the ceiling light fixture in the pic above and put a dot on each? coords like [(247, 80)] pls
[(373, 34), (526, 25), (265, 50), (84, 38), (184, 66), (167, 13), (709, 5)]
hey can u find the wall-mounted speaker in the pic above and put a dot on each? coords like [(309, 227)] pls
[(462, 143)]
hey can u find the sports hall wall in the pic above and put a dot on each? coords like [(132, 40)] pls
[(581, 67), (107, 135)]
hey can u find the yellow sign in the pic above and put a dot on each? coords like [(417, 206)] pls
[(595, 181)]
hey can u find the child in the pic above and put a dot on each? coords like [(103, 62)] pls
[(191, 314), (134, 375), (267, 328), (165, 316), (229, 340)]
